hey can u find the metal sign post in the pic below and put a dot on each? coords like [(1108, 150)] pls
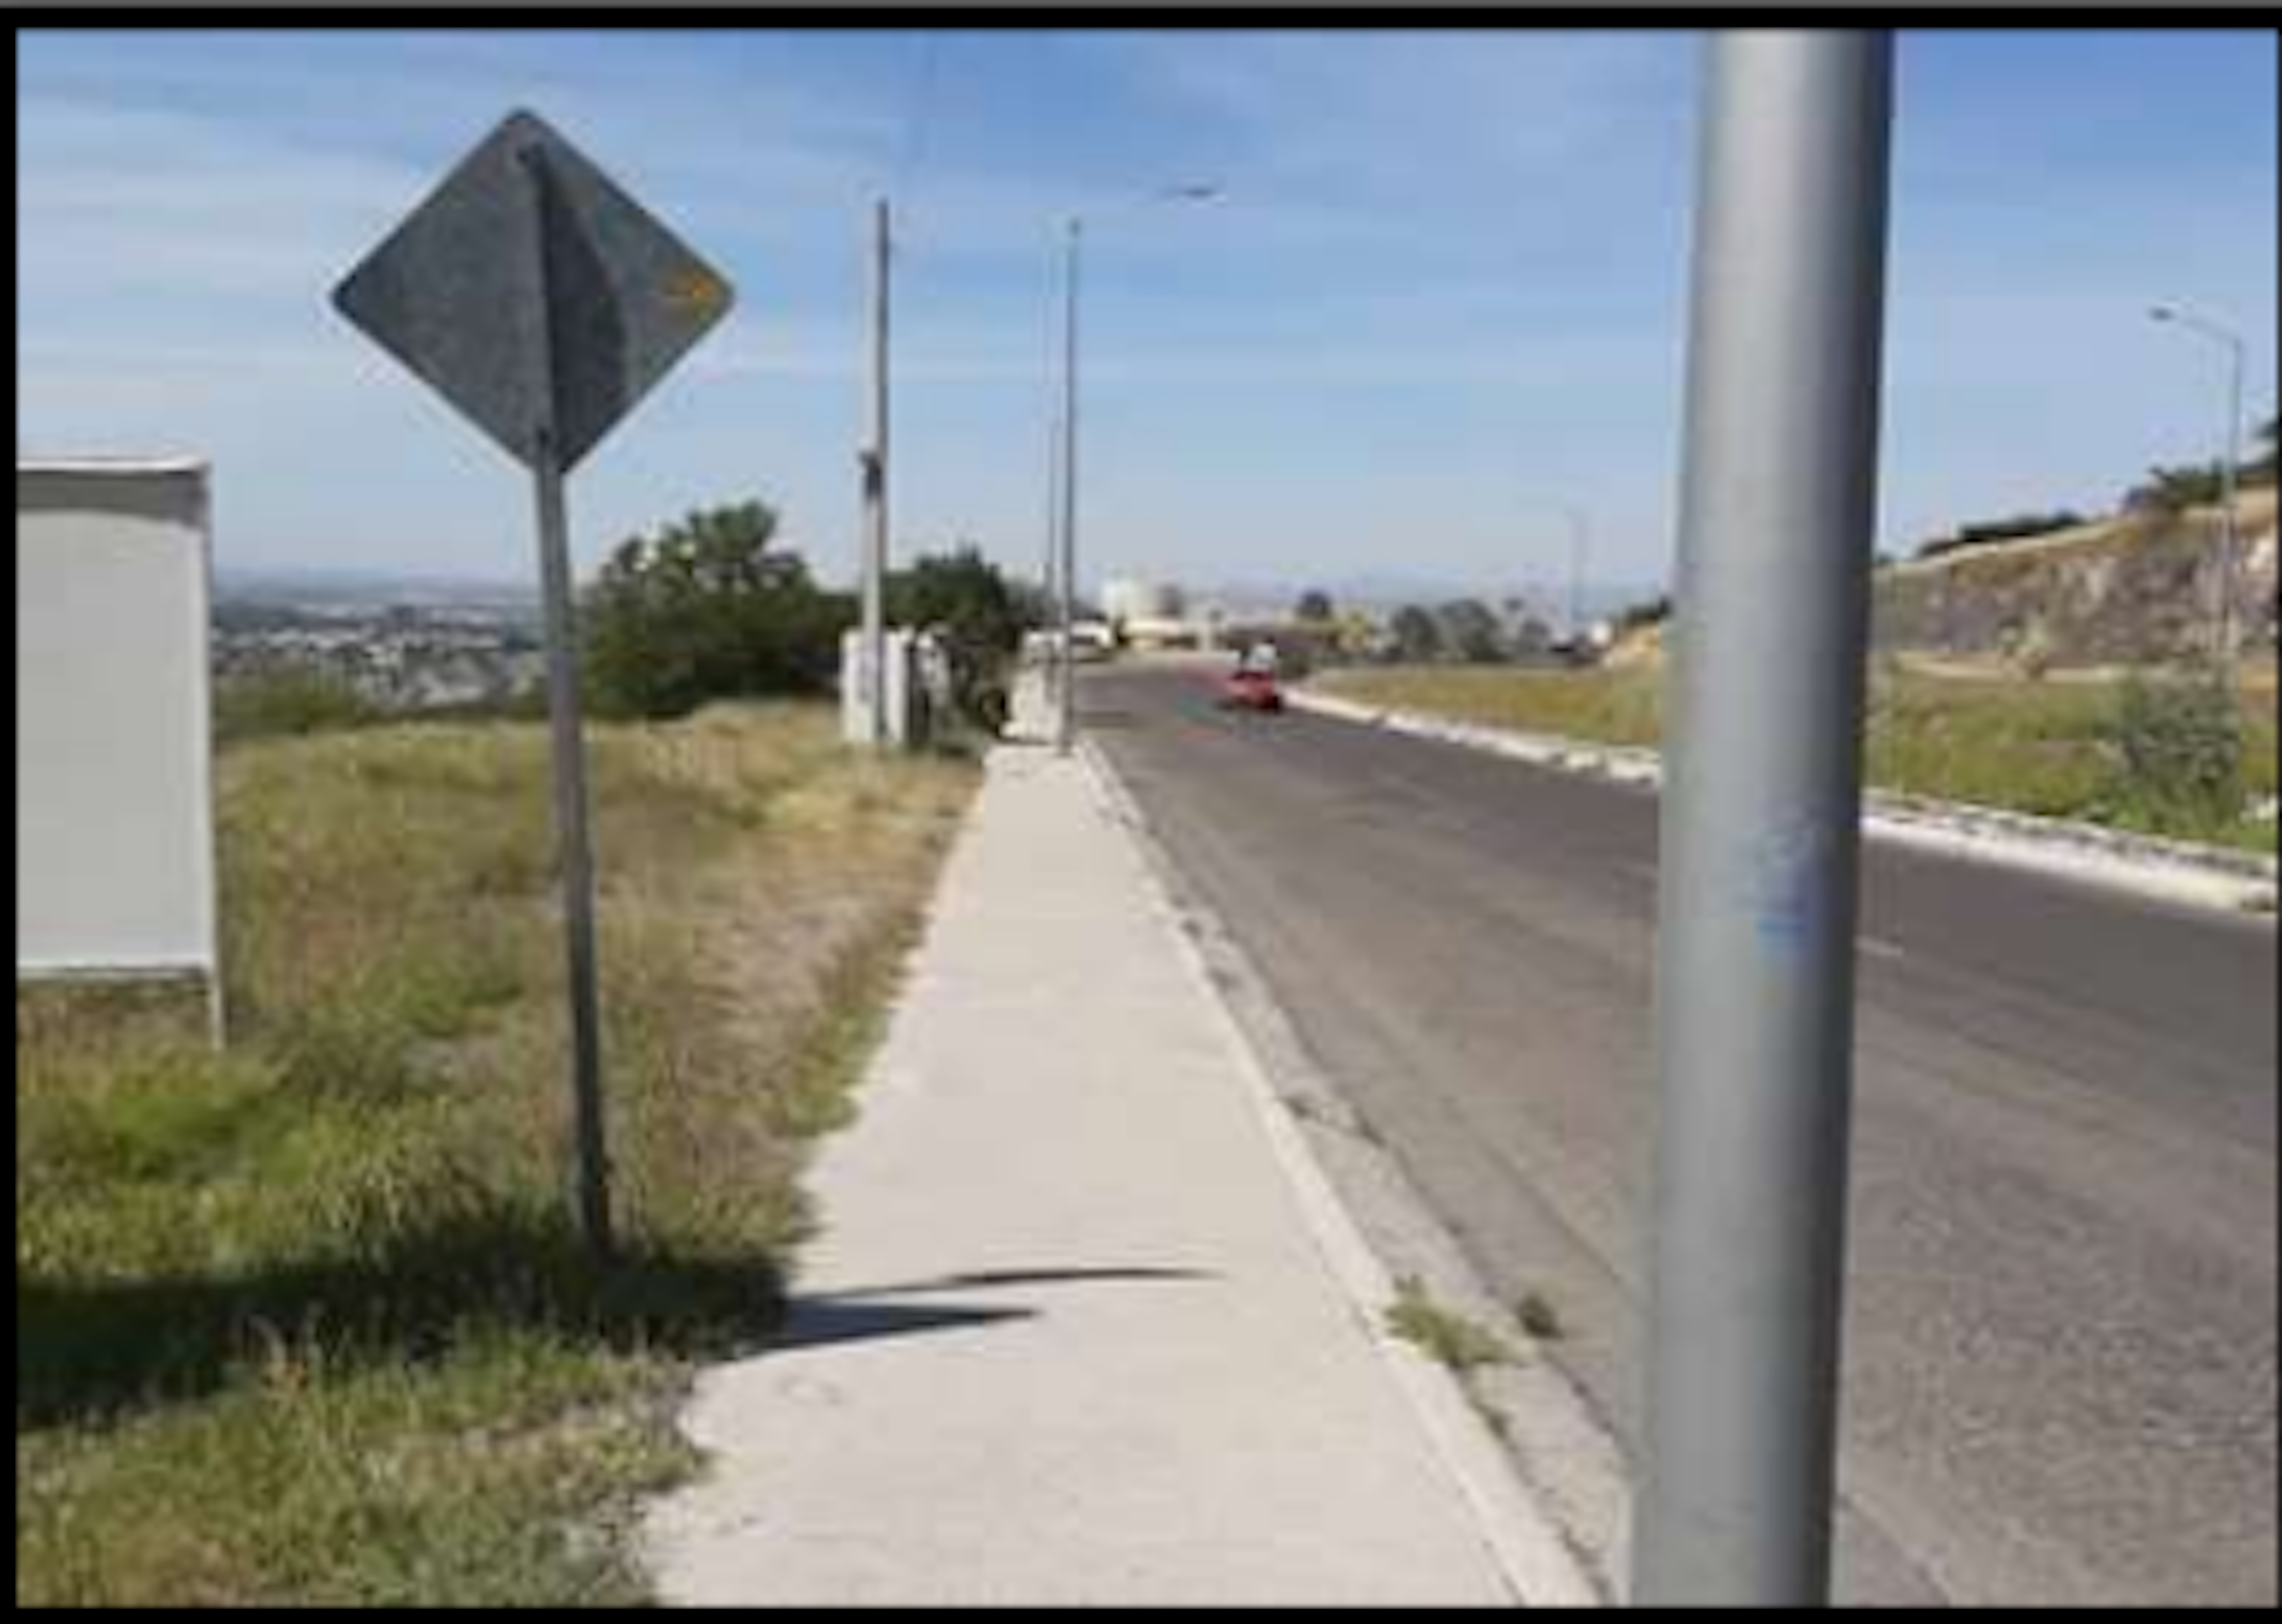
[(1761, 824), (576, 843), (543, 303)]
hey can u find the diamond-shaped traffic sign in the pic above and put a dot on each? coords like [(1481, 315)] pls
[(533, 294), (543, 302)]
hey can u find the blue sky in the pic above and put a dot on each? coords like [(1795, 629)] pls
[(1440, 300)]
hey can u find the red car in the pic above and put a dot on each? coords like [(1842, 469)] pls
[(1248, 688)]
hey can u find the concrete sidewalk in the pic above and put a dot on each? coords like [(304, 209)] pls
[(1076, 1332)]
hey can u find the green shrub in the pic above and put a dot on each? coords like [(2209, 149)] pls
[(2175, 490), (2177, 748), (1449, 1338), (288, 703), (1992, 533), (968, 602), (706, 609)]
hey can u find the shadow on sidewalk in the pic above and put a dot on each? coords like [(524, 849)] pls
[(882, 1313)]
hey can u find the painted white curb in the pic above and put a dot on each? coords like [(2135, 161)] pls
[(2165, 870)]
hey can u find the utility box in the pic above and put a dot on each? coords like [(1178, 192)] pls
[(916, 690), (856, 722), (115, 867)]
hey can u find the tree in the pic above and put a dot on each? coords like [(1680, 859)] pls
[(1315, 609), (961, 594), (1646, 612), (1471, 633), (980, 615), (2174, 489), (706, 609), (2199, 485), (2260, 468), (1992, 533), (1529, 636), (1418, 635)]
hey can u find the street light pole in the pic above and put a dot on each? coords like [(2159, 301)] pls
[(2225, 638), (1066, 708), (1756, 956), (1066, 510), (1580, 551), (1050, 564), (874, 633)]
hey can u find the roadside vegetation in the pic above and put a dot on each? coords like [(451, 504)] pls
[(291, 703), (2169, 491), (705, 608), (2171, 754), (980, 615), (305, 1322), (1448, 1338), (712, 607)]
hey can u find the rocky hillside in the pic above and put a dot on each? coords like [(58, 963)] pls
[(2130, 588)]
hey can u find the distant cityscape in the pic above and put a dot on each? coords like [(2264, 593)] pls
[(399, 646), (410, 645)]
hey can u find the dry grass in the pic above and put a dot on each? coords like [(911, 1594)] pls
[(306, 1323), (2035, 747), (1610, 707)]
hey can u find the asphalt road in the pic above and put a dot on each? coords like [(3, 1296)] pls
[(2061, 1383)]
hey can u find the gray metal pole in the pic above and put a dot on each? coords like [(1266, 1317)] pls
[(2225, 639), (573, 836), (1050, 673), (874, 633), (1762, 809), (1581, 550), (1066, 715), (575, 842), (2230, 636)]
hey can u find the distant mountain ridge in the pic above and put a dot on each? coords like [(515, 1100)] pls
[(1385, 593), (365, 587)]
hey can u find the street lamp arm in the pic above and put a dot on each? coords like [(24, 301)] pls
[(2224, 641), (2196, 322)]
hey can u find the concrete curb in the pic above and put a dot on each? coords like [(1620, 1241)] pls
[(1521, 1534), (2170, 871)]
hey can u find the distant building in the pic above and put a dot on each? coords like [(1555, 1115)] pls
[(1152, 615), (1127, 599)]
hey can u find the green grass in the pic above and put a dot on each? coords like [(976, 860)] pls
[(2044, 747), (306, 1323), (288, 704), (1607, 707), (1449, 1338)]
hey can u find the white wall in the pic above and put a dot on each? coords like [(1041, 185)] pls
[(114, 822)]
